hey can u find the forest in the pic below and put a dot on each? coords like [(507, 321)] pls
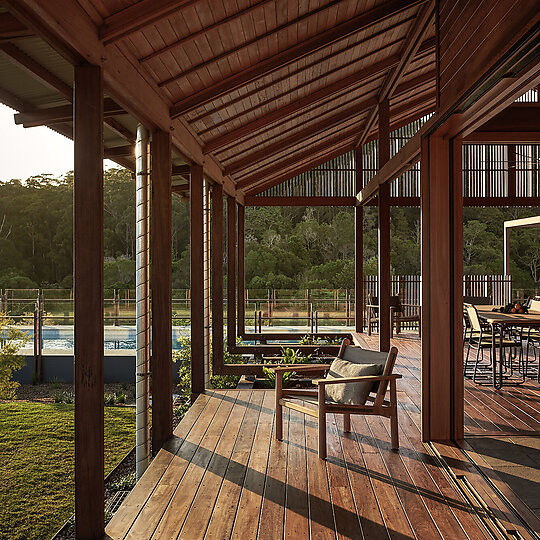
[(286, 247)]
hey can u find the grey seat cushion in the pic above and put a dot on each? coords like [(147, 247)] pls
[(355, 393), (357, 355)]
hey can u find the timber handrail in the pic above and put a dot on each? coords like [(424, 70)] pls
[(366, 378), (301, 367)]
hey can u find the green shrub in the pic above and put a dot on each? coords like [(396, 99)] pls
[(12, 339), (290, 356), (182, 356)]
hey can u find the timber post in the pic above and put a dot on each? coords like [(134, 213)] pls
[(231, 272), (442, 288), (217, 277), (196, 203), (88, 280), (358, 247), (161, 241), (385, 285)]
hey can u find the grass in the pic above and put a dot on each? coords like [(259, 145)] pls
[(37, 464)]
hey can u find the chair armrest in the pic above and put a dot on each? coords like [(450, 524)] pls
[(301, 367), (367, 378), (411, 305), (372, 305)]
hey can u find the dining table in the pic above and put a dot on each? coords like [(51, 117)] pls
[(500, 322)]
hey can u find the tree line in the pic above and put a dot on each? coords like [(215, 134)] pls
[(286, 247)]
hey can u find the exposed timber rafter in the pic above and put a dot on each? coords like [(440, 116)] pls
[(518, 123), (11, 28), (323, 158), (36, 70), (503, 137), (302, 103), (293, 54), (126, 84), (138, 16), (253, 41), (410, 48), (119, 151), (300, 201), (492, 97), (181, 170), (194, 35), (305, 67), (319, 127), (316, 97), (63, 113), (13, 101), (263, 182), (295, 159)]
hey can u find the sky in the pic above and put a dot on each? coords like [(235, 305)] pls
[(26, 152)]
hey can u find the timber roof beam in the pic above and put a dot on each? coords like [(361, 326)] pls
[(11, 28), (410, 48), (261, 182), (63, 113), (320, 127), (304, 68), (292, 54), (138, 16)]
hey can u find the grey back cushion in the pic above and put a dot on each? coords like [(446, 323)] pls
[(355, 393), (357, 355)]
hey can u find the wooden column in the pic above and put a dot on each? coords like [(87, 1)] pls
[(241, 281), (217, 277), (196, 187), (442, 289), (385, 283), (161, 242), (358, 248), (231, 272), (88, 270)]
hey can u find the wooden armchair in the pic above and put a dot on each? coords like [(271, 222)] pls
[(374, 404), (398, 314)]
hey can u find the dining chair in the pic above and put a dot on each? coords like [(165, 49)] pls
[(481, 338)]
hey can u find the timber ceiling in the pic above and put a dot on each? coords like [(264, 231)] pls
[(269, 88)]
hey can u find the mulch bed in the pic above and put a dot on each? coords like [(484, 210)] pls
[(124, 469)]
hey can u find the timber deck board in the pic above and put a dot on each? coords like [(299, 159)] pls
[(224, 475)]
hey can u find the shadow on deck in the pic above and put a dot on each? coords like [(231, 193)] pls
[(223, 475)]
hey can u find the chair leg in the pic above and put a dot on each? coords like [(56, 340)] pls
[(279, 407), (322, 423), (394, 431), (346, 422)]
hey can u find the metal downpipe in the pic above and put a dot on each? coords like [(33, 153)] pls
[(142, 364)]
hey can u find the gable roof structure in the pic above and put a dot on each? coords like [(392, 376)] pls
[(265, 89)]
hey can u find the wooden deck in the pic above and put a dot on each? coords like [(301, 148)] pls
[(223, 475)]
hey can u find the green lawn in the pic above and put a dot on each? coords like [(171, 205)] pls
[(37, 464)]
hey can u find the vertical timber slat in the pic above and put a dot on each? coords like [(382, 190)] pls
[(161, 245), (196, 187), (217, 277), (88, 269), (385, 285), (231, 272), (241, 294)]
